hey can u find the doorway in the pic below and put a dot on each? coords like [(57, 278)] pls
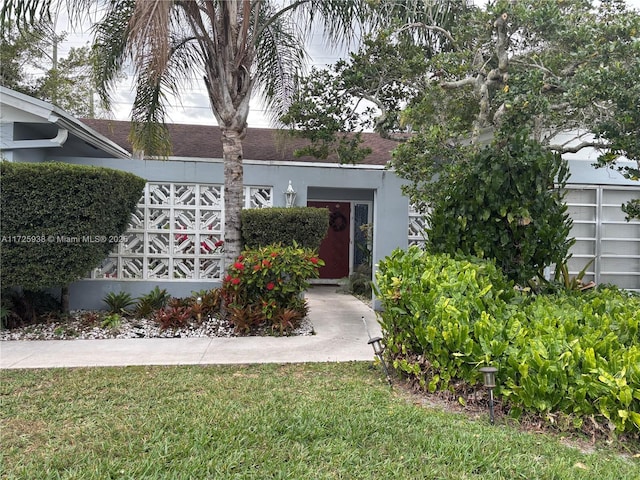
[(348, 243), (334, 249)]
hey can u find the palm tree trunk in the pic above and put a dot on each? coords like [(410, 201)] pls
[(233, 192)]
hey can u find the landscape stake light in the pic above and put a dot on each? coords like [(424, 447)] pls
[(489, 379), (290, 195), (378, 349), (199, 302)]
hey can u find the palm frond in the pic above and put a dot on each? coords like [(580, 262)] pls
[(149, 132), (340, 20), (281, 56), (110, 47), (424, 21), (25, 13), (149, 35)]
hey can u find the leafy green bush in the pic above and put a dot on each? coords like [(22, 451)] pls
[(154, 300), (303, 226), (60, 220), (575, 353), (118, 302), (514, 214), (264, 282), (25, 307), (450, 311)]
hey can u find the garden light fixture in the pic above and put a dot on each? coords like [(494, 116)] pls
[(378, 349), (199, 303), (489, 379), (290, 195)]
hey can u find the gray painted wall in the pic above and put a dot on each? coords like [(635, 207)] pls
[(311, 182)]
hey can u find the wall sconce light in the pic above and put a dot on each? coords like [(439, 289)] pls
[(489, 379), (290, 196)]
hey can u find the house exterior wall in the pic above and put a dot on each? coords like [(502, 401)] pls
[(311, 181), (593, 198)]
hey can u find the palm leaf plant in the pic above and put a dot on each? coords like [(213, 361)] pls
[(238, 47)]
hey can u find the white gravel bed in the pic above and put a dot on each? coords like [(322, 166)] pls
[(78, 329)]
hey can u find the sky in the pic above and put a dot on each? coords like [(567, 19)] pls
[(193, 105)]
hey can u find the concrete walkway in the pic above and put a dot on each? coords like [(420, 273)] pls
[(337, 319)]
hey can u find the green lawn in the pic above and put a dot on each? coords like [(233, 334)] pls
[(314, 421)]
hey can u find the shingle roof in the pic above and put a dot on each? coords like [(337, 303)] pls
[(203, 141)]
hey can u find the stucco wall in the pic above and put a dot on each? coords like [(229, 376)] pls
[(311, 181)]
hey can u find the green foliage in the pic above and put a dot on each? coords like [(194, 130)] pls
[(28, 67), (26, 307), (154, 300), (387, 70), (303, 226), (263, 282), (112, 321), (483, 70), (573, 353), (632, 209), (60, 220), (503, 204), (118, 302)]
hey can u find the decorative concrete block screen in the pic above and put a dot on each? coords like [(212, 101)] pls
[(417, 225), (602, 233), (600, 230), (172, 234)]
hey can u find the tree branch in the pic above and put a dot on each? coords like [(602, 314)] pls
[(578, 147), (459, 83), (433, 28)]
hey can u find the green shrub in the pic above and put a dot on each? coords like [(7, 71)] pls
[(154, 300), (26, 307), (576, 353), (450, 311), (264, 282), (506, 203), (303, 226), (118, 302), (59, 221), (112, 321)]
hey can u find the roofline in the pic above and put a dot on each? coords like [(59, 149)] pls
[(280, 163), (55, 115)]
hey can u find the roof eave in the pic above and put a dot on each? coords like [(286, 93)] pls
[(57, 116)]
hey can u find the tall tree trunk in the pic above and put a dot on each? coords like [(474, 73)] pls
[(233, 192)]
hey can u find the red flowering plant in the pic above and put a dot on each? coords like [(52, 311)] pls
[(272, 279)]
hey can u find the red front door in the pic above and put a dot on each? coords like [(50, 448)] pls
[(334, 249)]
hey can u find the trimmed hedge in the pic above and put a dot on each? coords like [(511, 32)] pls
[(59, 220), (304, 226), (572, 353)]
